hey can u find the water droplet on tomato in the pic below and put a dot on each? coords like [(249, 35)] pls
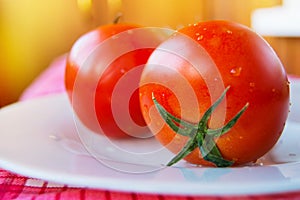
[(273, 90), (261, 164), (236, 71), (252, 86), (146, 107), (229, 31), (200, 37)]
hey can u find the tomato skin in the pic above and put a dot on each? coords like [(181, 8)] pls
[(90, 91), (105, 89), (245, 62), (85, 45)]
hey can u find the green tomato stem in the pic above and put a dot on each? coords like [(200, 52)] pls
[(200, 135)]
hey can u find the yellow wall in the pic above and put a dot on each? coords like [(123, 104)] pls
[(236, 10), (32, 33), (175, 13), (162, 13)]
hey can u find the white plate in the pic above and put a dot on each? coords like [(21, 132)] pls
[(38, 138)]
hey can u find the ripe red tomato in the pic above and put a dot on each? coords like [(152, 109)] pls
[(188, 72), (102, 75)]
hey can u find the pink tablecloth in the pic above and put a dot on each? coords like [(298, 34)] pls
[(14, 186)]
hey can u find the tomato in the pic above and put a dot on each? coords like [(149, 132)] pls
[(189, 72), (102, 75)]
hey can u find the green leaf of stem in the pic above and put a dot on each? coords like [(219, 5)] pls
[(200, 135), (211, 153), (179, 126), (203, 124), (187, 149), (219, 161), (221, 131)]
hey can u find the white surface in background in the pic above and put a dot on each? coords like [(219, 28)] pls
[(278, 21)]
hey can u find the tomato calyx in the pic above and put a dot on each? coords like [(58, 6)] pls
[(200, 135)]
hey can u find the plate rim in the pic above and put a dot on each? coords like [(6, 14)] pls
[(160, 188)]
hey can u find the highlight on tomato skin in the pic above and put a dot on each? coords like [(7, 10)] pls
[(188, 72)]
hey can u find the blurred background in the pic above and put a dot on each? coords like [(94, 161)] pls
[(33, 33)]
